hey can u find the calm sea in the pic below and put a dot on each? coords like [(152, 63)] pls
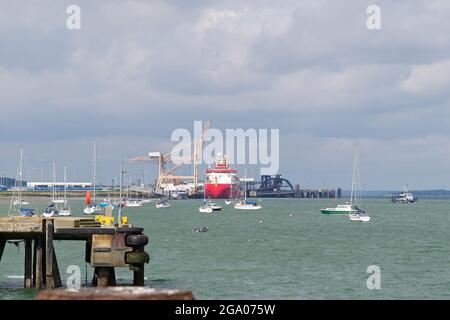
[(287, 250)]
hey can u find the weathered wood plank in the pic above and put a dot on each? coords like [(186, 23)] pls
[(49, 253), (116, 293), (28, 264), (39, 263), (34, 261), (84, 231), (20, 224), (56, 275)]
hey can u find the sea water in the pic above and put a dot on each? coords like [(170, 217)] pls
[(287, 250)]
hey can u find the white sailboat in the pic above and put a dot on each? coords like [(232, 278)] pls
[(244, 204), (358, 214), (204, 208), (65, 211), (92, 208), (231, 195), (52, 208), (132, 203), (16, 206)]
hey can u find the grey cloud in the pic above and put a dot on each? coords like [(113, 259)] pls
[(139, 69)]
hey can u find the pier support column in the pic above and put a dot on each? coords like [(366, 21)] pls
[(56, 275), (49, 254), (28, 282), (138, 275), (104, 277), (2, 247), (38, 265)]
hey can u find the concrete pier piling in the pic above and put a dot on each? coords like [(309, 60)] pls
[(107, 247)]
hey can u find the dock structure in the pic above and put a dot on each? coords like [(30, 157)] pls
[(317, 193), (107, 247), (278, 187)]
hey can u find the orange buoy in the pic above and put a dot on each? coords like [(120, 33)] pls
[(88, 197)]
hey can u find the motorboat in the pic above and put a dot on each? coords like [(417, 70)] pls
[(247, 205), (162, 204)]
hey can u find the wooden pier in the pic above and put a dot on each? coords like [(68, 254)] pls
[(107, 247)]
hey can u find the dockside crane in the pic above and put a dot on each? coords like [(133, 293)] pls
[(166, 173)]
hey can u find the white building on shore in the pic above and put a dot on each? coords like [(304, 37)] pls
[(48, 186)]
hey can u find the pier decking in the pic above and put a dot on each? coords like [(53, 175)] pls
[(107, 247)]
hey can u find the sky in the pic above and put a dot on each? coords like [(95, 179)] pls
[(138, 70)]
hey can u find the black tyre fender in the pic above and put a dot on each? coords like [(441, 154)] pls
[(134, 240), (134, 257)]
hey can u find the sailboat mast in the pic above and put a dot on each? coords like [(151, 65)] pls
[(54, 180), (120, 191), (20, 177), (353, 177), (65, 185), (245, 186), (95, 160)]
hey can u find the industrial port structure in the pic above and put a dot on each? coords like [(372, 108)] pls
[(278, 187)]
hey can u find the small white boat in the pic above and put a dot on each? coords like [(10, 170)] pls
[(227, 201), (244, 204), (162, 204), (64, 212), (214, 206), (359, 216), (205, 209), (20, 202), (50, 211), (247, 205), (91, 209), (133, 203)]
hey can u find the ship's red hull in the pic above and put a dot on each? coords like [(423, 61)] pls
[(220, 191)]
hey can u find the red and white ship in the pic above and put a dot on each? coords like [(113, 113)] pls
[(221, 181)]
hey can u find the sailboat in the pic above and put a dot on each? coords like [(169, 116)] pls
[(133, 203), (52, 208), (92, 207), (208, 206), (245, 204), (16, 206), (65, 211), (356, 198), (204, 207), (231, 195), (351, 208)]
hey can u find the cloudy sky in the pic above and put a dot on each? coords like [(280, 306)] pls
[(137, 70)]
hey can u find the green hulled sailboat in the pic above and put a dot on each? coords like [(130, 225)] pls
[(349, 208)]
